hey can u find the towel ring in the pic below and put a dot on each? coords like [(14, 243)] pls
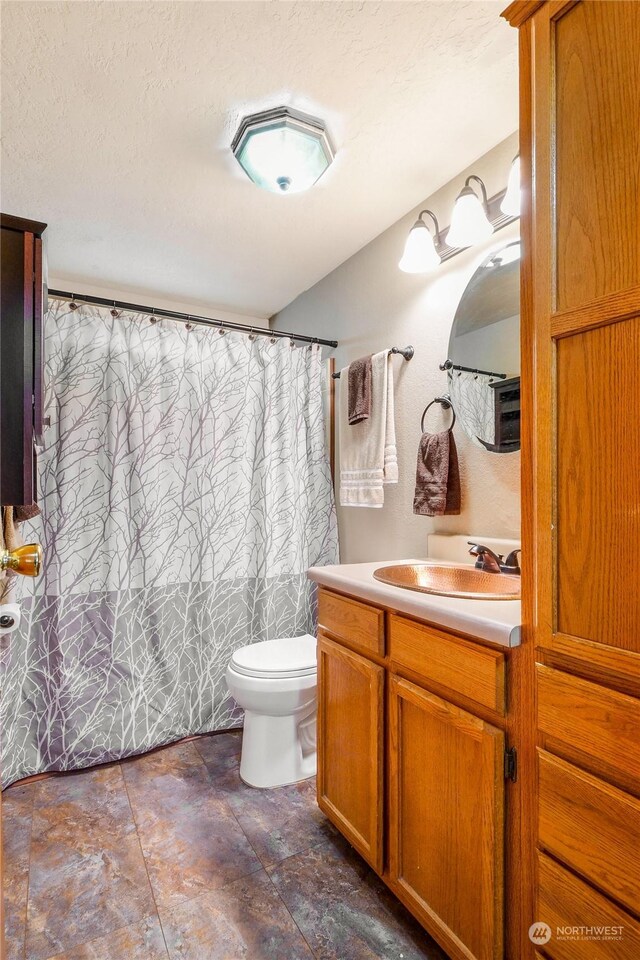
[(446, 403)]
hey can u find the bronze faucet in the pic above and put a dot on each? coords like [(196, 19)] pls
[(492, 562)]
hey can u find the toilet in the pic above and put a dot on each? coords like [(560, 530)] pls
[(275, 682)]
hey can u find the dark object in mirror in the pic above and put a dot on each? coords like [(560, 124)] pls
[(484, 353)]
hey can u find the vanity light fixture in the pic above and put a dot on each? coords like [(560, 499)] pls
[(421, 249), (511, 201), (470, 223), (282, 150)]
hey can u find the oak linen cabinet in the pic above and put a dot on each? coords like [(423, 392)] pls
[(580, 156)]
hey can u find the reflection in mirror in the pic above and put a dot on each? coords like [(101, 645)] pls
[(484, 353)]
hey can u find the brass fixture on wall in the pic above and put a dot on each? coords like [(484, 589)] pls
[(25, 560)]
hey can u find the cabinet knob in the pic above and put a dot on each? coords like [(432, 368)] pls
[(26, 560)]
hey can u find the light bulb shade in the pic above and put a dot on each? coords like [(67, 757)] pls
[(511, 201), (282, 150), (420, 255), (469, 221)]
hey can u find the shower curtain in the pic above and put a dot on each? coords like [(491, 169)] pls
[(185, 490)]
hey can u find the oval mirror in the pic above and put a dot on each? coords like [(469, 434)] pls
[(484, 353)]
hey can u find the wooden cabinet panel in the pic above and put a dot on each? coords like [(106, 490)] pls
[(565, 901), (597, 152), (591, 826), (580, 323), (16, 351), (603, 734), (358, 624), (472, 670), (446, 820), (598, 521), (21, 356), (350, 746), (39, 310)]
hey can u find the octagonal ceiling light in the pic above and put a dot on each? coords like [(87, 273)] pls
[(282, 150)]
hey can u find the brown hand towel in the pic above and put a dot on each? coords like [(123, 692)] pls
[(359, 390), (437, 476), (25, 513)]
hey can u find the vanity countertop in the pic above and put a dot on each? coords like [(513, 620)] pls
[(497, 621)]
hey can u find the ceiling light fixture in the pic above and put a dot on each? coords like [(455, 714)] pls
[(282, 150), (421, 248), (511, 202), (470, 223)]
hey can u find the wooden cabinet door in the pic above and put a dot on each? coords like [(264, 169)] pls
[(21, 357), (585, 233), (580, 327), (16, 331), (350, 746), (446, 820)]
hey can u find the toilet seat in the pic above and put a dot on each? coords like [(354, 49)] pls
[(281, 658)]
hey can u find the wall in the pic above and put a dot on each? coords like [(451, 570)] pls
[(368, 304)]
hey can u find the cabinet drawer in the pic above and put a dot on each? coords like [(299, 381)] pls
[(604, 733), (471, 670), (566, 901), (360, 625), (591, 826)]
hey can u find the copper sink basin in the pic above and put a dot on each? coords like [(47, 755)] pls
[(465, 582)]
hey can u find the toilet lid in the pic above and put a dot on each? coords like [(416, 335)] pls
[(292, 657)]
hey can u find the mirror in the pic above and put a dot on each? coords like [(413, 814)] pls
[(483, 367)]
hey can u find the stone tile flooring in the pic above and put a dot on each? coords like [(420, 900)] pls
[(169, 856)]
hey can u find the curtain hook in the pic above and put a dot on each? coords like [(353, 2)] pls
[(292, 342), (221, 329), (114, 313), (153, 318), (73, 305), (188, 325), (252, 335)]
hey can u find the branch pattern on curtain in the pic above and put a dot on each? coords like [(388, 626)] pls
[(185, 490)]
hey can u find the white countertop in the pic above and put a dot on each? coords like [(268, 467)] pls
[(497, 621)]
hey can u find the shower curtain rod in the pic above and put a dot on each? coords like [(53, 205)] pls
[(190, 318)]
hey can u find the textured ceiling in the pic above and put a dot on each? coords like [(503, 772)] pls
[(117, 119)]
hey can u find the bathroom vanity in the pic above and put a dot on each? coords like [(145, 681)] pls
[(417, 740)]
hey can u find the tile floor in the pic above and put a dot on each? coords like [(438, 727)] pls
[(170, 856)]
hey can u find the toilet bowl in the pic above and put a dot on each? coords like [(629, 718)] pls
[(275, 682)]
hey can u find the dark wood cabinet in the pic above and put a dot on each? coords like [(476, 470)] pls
[(507, 413), (22, 307)]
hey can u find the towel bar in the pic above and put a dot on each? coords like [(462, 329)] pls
[(406, 352)]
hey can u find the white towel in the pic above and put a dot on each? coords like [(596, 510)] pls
[(368, 456)]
